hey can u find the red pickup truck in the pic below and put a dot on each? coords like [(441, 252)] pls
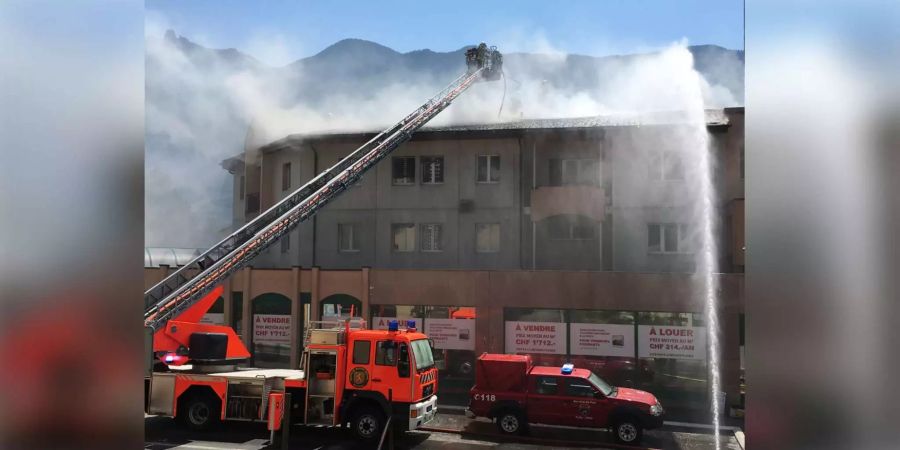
[(512, 391)]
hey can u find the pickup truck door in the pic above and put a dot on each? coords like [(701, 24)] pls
[(544, 400), (584, 406)]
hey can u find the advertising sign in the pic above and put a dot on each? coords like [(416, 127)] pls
[(451, 334), (213, 318), (381, 323), (665, 341), (597, 339), (272, 329), (536, 337)]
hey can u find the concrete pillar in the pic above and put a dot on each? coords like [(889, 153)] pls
[(247, 320), (296, 308)]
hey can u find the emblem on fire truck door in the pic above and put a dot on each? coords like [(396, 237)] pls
[(359, 377)]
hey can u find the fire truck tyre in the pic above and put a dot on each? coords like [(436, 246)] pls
[(627, 430), (199, 412), (511, 421), (367, 423)]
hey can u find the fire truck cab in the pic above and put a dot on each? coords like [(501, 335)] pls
[(349, 375)]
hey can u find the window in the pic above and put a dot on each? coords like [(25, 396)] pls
[(578, 388), (668, 238), (487, 237), (666, 166), (432, 169), (571, 228), (574, 172), (285, 176), (547, 385), (431, 237), (347, 238), (404, 170), (285, 243), (386, 353), (361, 351), (241, 188), (403, 237), (488, 169)]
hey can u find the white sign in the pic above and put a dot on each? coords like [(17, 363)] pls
[(666, 341), (536, 337), (451, 334), (213, 318), (596, 339), (272, 329), (381, 323)]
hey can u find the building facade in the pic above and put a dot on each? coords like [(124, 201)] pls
[(571, 240)]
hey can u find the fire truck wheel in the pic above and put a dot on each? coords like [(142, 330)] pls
[(367, 423), (628, 430), (511, 421), (199, 412)]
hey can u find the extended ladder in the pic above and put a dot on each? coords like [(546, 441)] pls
[(189, 283)]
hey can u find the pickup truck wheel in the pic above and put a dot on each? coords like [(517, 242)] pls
[(367, 424), (511, 421), (628, 430)]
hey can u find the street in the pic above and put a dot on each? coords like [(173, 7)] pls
[(457, 432)]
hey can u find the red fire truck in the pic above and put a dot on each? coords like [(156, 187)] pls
[(514, 392), (348, 375)]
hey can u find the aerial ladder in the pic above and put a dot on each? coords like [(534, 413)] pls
[(173, 307)]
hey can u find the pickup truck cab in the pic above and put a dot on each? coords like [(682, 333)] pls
[(514, 393)]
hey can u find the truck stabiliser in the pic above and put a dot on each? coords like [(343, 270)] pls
[(512, 391)]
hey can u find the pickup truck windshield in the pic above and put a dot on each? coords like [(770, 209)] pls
[(604, 387), (422, 353)]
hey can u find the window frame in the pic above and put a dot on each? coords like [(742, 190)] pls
[(497, 250), (537, 384), (579, 168), (354, 243), (683, 244), (405, 225), (439, 241), (394, 178), (489, 172), (571, 225), (423, 160)]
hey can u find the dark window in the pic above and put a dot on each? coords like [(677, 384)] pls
[(574, 172), (285, 243), (487, 237), (404, 170), (361, 352), (285, 176), (347, 238), (403, 237), (432, 169), (578, 388), (564, 227), (488, 169), (386, 353), (547, 385)]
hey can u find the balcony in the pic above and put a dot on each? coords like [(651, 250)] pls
[(588, 201)]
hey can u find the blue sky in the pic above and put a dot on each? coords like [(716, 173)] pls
[(279, 32)]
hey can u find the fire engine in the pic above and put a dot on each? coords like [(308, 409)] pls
[(348, 374), (514, 392)]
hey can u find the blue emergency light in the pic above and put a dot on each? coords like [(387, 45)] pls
[(411, 325), (393, 325), (568, 368)]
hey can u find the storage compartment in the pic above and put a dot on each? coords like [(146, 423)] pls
[(244, 400), (497, 372)]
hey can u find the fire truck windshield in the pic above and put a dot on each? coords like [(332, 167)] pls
[(422, 354)]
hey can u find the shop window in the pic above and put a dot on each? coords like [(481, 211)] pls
[(403, 170), (488, 169), (361, 350)]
